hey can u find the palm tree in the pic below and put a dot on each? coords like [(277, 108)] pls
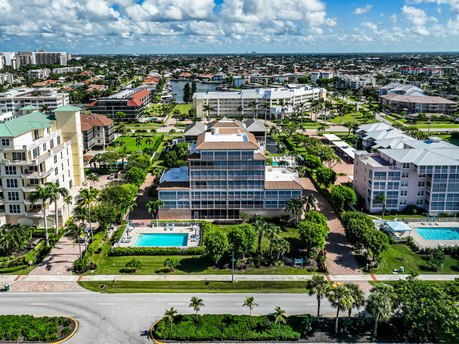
[(295, 206), (207, 108), (260, 228), (75, 231), (279, 316), (340, 298), (138, 141), (55, 191), (129, 206), (381, 198), (280, 246), (319, 286), (380, 304), (42, 194), (149, 141), (153, 207), (271, 232), (310, 202), (85, 200), (250, 303), (170, 314), (93, 177), (358, 298), (196, 303), (68, 201)]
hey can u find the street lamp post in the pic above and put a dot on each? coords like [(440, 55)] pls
[(232, 266)]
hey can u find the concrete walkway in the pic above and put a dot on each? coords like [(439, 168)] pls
[(12, 279)]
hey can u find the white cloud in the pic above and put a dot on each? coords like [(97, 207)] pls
[(364, 9), (370, 25), (417, 16)]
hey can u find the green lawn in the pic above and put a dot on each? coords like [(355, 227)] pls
[(108, 265), (130, 142), (401, 255), (196, 287), (183, 108)]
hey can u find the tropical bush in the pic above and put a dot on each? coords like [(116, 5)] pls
[(156, 251), (225, 327), (18, 328)]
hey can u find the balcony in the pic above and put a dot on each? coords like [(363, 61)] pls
[(29, 188), (37, 175)]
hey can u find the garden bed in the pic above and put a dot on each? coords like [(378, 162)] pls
[(27, 328), (297, 328)]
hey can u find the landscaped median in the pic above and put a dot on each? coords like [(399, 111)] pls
[(27, 328)]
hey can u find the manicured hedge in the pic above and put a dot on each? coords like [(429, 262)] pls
[(216, 328), (16, 328), (157, 251)]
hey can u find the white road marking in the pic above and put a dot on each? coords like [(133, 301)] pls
[(106, 303), (38, 304), (176, 303)]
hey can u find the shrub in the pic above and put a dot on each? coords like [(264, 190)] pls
[(133, 265), (156, 251)]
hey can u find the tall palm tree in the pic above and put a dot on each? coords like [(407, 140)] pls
[(319, 286), (170, 314), (93, 177), (68, 201), (271, 232), (207, 108), (260, 228), (358, 297), (85, 199), (138, 141), (279, 316), (75, 231), (43, 195), (340, 298), (196, 303), (149, 141), (380, 304), (381, 198), (250, 303), (55, 191)]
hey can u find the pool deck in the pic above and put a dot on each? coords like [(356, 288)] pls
[(136, 228), (423, 243)]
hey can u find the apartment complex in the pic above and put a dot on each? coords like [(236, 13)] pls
[(36, 148), (15, 99), (407, 171), (411, 99), (226, 176), (130, 101), (260, 102), (98, 131), (39, 73), (26, 58)]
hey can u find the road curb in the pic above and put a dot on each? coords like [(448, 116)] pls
[(71, 334), (150, 331)]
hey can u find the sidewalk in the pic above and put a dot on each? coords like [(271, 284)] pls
[(176, 278)]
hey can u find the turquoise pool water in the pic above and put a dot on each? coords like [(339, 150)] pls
[(275, 164), (438, 233), (162, 240)]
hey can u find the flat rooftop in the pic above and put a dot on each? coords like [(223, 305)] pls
[(279, 174), (226, 137)]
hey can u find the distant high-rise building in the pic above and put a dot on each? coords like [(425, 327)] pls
[(46, 57)]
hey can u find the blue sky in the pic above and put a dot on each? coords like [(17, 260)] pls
[(229, 26)]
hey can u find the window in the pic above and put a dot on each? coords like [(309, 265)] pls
[(13, 196), (421, 193), (404, 193), (10, 170), (51, 144), (405, 174), (421, 184), (56, 171), (403, 202), (419, 202), (55, 159), (36, 152), (19, 156), (58, 139), (44, 146), (15, 208), (5, 142), (11, 183), (406, 165), (404, 184)]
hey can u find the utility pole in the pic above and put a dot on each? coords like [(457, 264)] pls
[(232, 266)]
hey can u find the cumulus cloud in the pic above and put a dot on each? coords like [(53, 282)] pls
[(418, 18), (364, 9)]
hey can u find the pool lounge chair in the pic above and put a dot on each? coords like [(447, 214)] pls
[(172, 227), (125, 241)]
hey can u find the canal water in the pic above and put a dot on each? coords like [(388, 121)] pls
[(177, 88)]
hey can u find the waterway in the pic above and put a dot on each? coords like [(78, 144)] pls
[(177, 88)]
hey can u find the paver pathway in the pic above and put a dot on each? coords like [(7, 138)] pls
[(59, 262), (340, 259), (140, 212)]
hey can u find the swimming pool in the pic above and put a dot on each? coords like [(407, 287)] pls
[(275, 164), (438, 233), (162, 240)]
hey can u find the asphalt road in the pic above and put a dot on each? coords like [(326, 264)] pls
[(125, 318)]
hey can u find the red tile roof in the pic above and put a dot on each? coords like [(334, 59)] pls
[(89, 121)]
